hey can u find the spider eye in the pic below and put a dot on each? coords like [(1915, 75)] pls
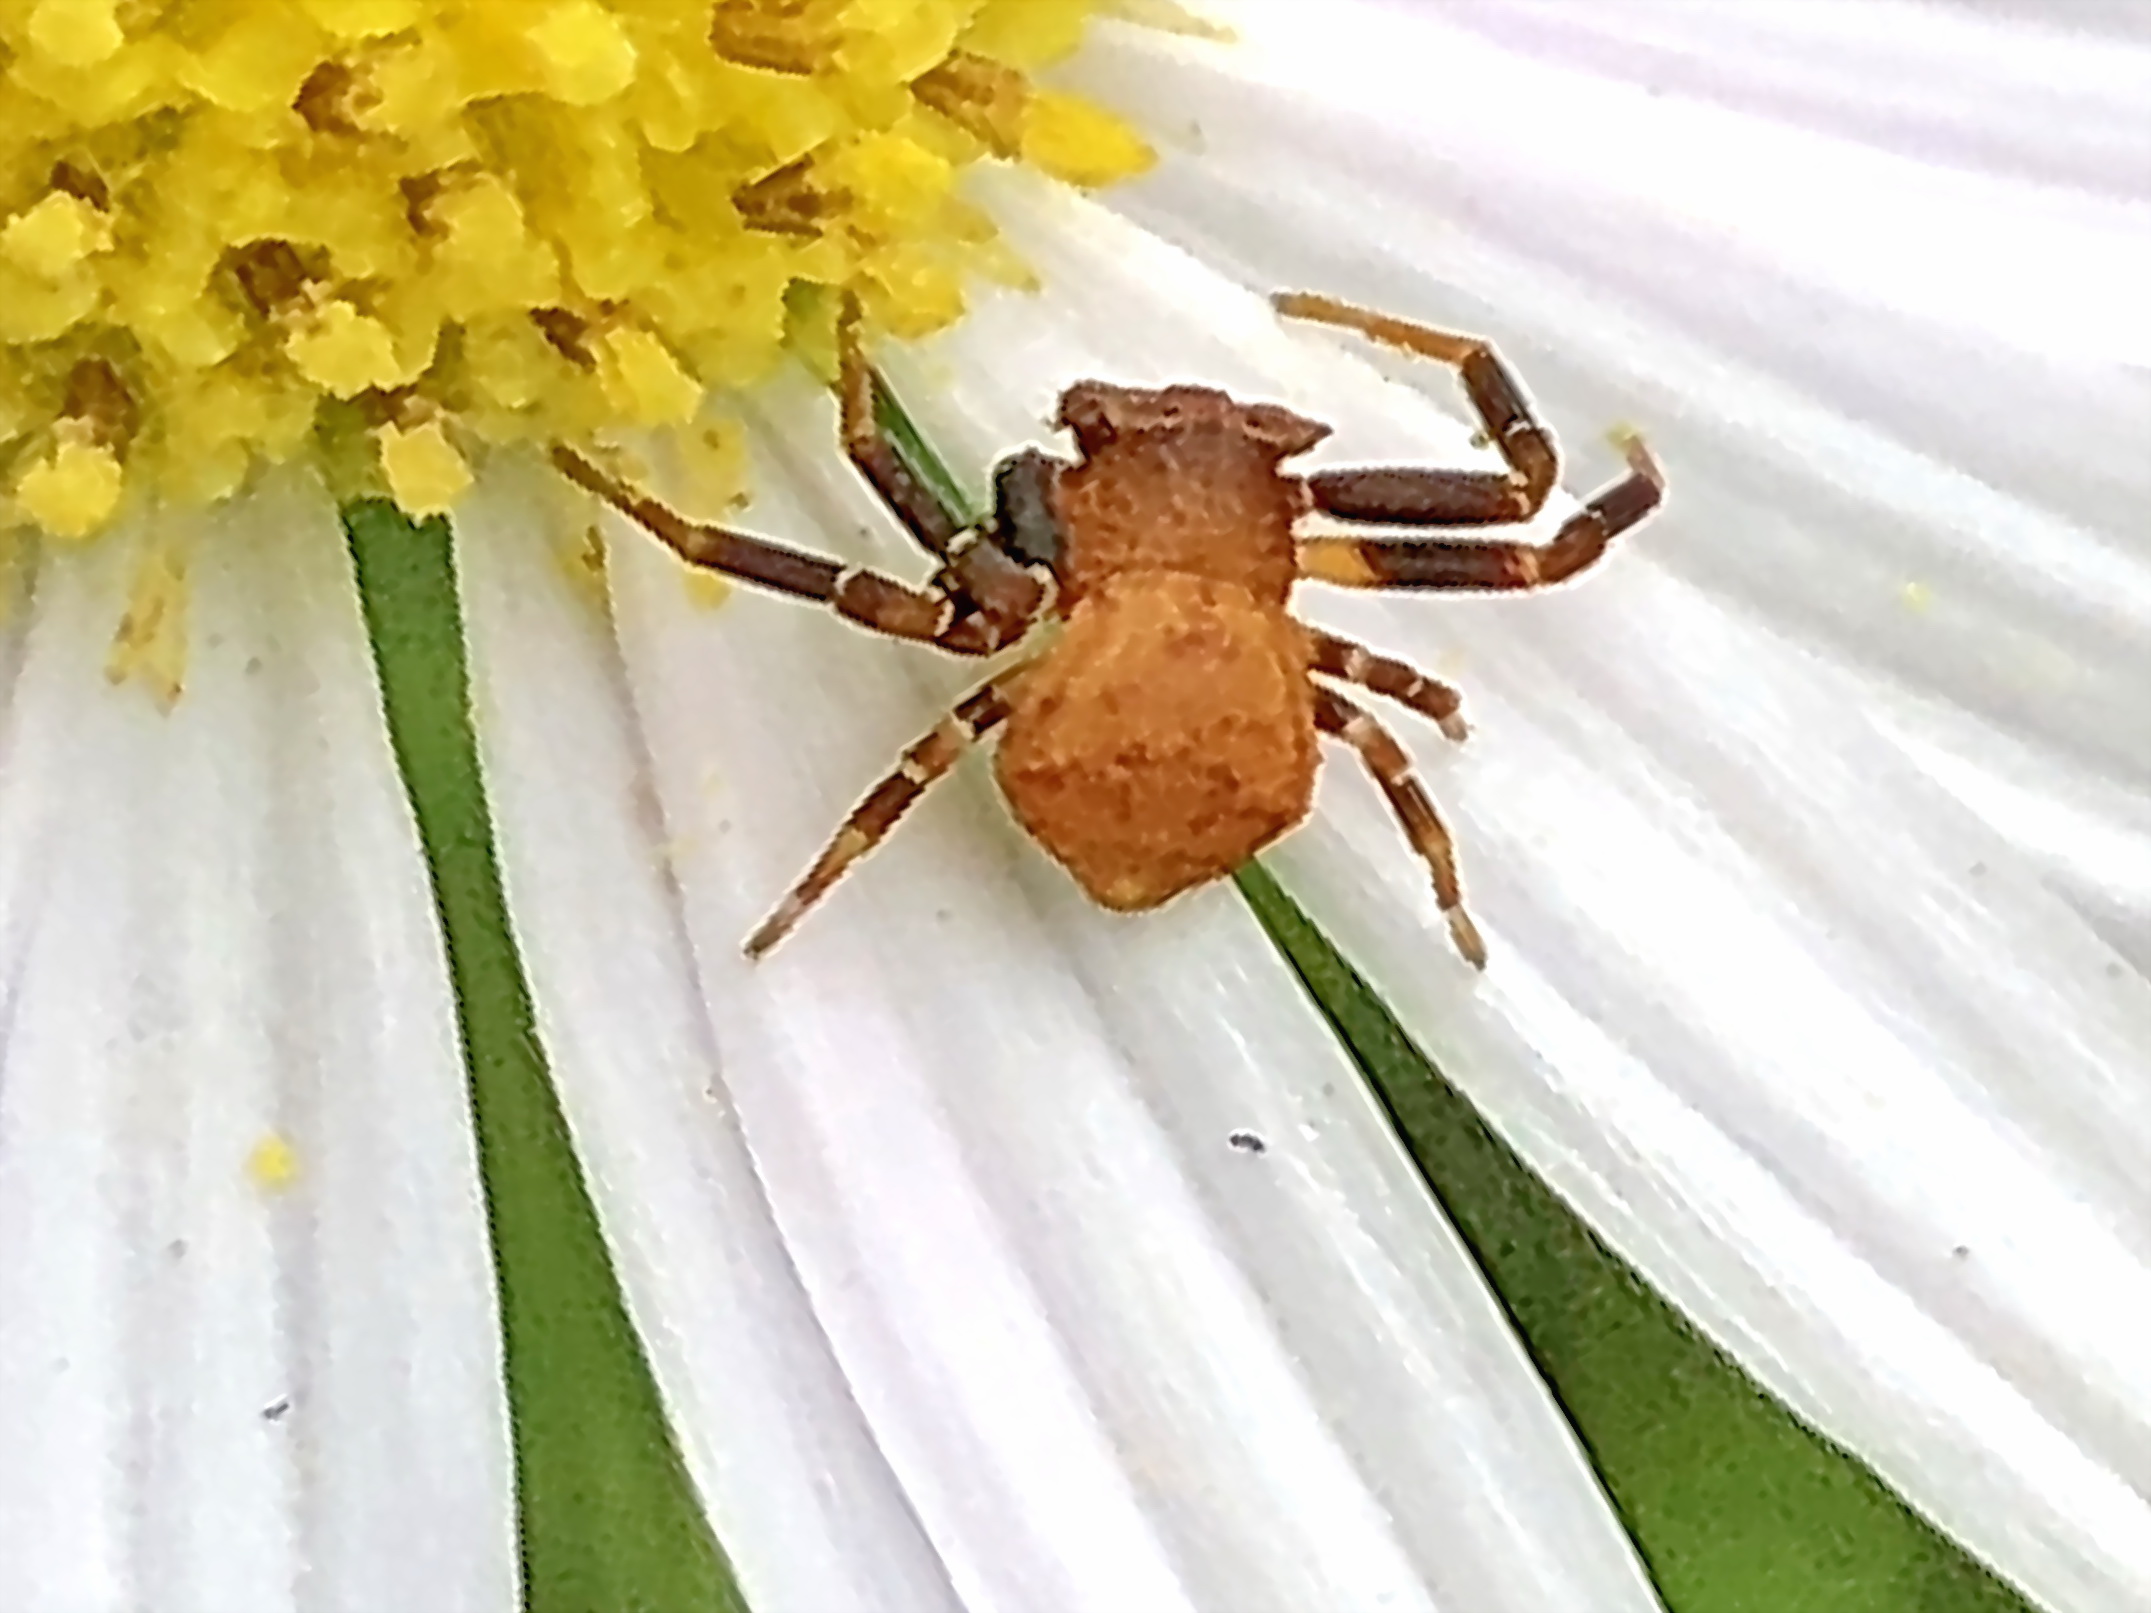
[(1023, 517)]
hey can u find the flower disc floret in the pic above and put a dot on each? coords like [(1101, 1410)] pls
[(235, 232)]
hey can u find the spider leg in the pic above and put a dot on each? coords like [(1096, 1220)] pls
[(1487, 567), (975, 570), (924, 615), (873, 818), (1392, 770), (1341, 658), (1425, 497), (860, 394)]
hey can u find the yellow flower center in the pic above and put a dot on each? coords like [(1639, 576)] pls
[(388, 232)]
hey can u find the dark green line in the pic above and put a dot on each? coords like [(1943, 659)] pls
[(609, 1521), (928, 467), (1736, 1506)]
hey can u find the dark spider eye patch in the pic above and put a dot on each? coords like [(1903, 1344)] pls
[(1023, 522)]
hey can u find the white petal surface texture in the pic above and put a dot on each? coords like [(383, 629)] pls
[(1793, 1031), (802, 1501), (1895, 345), (1111, 1360), (248, 1350)]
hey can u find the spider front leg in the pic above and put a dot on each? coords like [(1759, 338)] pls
[(1433, 699), (1425, 497), (1466, 564), (1392, 770), (873, 818), (923, 615), (977, 573)]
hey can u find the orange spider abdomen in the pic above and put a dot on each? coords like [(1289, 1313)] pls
[(1166, 738)]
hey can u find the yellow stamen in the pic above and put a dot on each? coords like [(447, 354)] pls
[(75, 33), (1067, 137), (429, 226), (72, 490), (53, 237), (425, 473)]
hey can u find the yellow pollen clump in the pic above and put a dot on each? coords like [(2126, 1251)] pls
[(425, 473), (588, 56), (1067, 137), (73, 490), (343, 352), (54, 236), (237, 231), (75, 33), (272, 1164), (150, 647)]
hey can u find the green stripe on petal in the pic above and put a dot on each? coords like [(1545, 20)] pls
[(609, 1519), (1733, 1503)]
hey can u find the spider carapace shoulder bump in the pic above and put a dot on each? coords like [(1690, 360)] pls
[(1171, 729)]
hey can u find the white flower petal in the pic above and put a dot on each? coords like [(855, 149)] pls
[(1797, 1036), (2052, 103), (1113, 1361), (803, 1503), (220, 1388), (1904, 401)]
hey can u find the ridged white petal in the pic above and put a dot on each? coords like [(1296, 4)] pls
[(1793, 1031), (1897, 355), (248, 1350), (803, 1502), (1112, 1360)]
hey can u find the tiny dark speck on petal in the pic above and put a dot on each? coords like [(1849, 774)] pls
[(275, 1409), (1248, 1142)]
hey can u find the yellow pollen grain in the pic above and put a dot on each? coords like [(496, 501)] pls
[(1917, 597), (711, 485), (53, 237), (587, 55), (365, 19), (436, 227), (714, 461), (1069, 138), (75, 33), (344, 352), (272, 1164), (72, 491), (150, 645), (645, 383), (583, 563), (705, 590), (424, 471)]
